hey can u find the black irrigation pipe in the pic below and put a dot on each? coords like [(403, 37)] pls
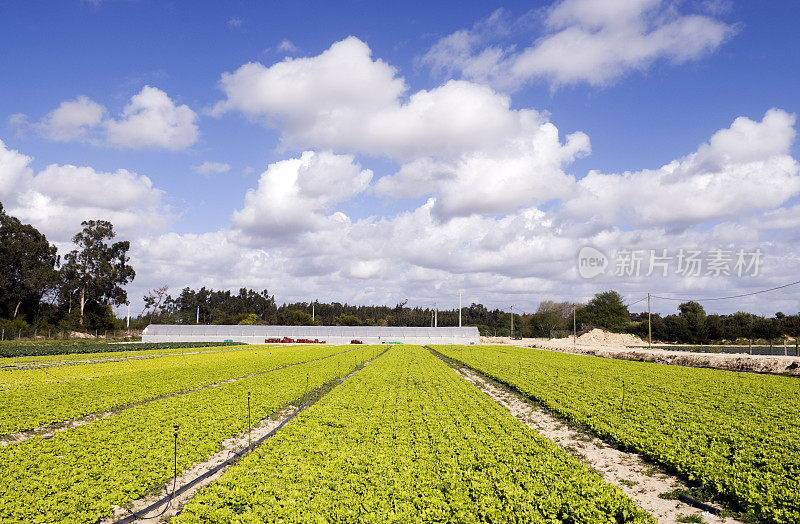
[(216, 469), (167, 499), (696, 503)]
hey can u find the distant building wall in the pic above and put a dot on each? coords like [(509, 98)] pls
[(327, 334)]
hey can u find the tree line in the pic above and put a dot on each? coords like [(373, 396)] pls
[(605, 310), (40, 291)]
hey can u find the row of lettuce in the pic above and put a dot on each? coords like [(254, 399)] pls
[(80, 474), (407, 440), (735, 434), (66, 347), (41, 396)]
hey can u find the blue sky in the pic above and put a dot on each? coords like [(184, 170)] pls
[(674, 74)]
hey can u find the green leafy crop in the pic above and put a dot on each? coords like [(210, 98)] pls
[(407, 440), (735, 434), (79, 474)]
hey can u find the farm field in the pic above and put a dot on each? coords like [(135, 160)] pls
[(735, 434), (43, 395), (40, 348), (408, 440), (79, 474), (131, 351)]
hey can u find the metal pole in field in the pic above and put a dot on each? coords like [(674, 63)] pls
[(649, 326), (459, 308), (249, 440), (436, 314)]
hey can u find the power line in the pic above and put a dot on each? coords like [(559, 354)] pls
[(732, 296), (634, 303)]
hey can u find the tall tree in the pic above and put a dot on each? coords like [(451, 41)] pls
[(28, 263), (696, 322), (98, 269), (606, 310)]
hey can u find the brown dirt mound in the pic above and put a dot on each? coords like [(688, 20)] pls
[(599, 337)]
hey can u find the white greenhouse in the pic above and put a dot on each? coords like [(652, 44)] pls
[(322, 334)]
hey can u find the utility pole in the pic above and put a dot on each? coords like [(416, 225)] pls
[(649, 326), (128, 324), (198, 315), (512, 320), (435, 315), (459, 308), (574, 327)]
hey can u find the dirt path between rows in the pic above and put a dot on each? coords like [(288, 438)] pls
[(638, 479), (50, 430), (228, 449)]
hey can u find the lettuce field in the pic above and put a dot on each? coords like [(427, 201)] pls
[(735, 434), (403, 439)]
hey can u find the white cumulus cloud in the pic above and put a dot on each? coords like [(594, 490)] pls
[(210, 168), (583, 41), (72, 120), (58, 198), (150, 120), (740, 170), (296, 195)]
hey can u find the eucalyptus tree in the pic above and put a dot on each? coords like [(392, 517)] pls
[(97, 269)]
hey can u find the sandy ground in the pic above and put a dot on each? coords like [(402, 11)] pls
[(730, 362), (638, 479)]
